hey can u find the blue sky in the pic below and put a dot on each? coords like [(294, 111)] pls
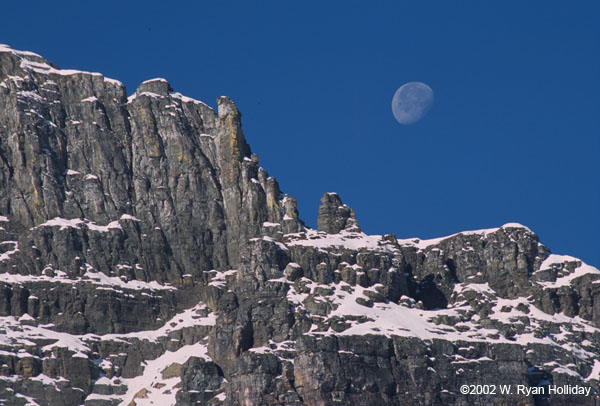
[(513, 136)]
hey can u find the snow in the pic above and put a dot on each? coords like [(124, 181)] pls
[(582, 269), (462, 360), (129, 217), (90, 99), (269, 224), (392, 319), (422, 244), (355, 241), (92, 226), (113, 82), (150, 94), (535, 315), (105, 380), (62, 223), (103, 229), (152, 375), (90, 276), (277, 243), (477, 287), (30, 95), (105, 398), (70, 172), (155, 80), (186, 99), (187, 318), (344, 239), (99, 278), (566, 371), (45, 69), (26, 317), (20, 279), (89, 176), (555, 259), (595, 373), (3, 218), (219, 280), (46, 380), (29, 399), (516, 225), (17, 336), (7, 254)]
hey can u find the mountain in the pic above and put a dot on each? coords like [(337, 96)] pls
[(147, 258)]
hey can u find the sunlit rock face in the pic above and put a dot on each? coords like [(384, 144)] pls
[(147, 258)]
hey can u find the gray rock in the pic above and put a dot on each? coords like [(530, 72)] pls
[(131, 228), (334, 216)]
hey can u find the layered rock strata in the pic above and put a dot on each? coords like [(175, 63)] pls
[(147, 258)]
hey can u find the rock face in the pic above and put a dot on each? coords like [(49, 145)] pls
[(334, 216), (147, 258)]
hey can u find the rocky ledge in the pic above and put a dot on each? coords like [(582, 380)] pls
[(147, 258)]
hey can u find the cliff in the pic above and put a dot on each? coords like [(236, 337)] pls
[(147, 258)]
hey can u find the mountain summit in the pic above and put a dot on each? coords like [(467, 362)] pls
[(147, 258)]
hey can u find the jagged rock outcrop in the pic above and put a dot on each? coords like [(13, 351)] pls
[(145, 256), (334, 216)]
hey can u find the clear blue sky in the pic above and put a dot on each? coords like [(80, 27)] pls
[(513, 136)]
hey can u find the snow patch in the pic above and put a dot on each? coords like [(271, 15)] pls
[(150, 94), (155, 80), (61, 222), (113, 82), (45, 69), (26, 317), (344, 239), (277, 243), (422, 244), (90, 276), (186, 99), (99, 278), (30, 95), (129, 217), (153, 374), (7, 254), (92, 226), (219, 280), (554, 260), (595, 373)]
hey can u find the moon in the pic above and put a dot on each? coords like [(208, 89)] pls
[(411, 102)]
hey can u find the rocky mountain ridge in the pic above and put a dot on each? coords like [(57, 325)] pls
[(147, 258)]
